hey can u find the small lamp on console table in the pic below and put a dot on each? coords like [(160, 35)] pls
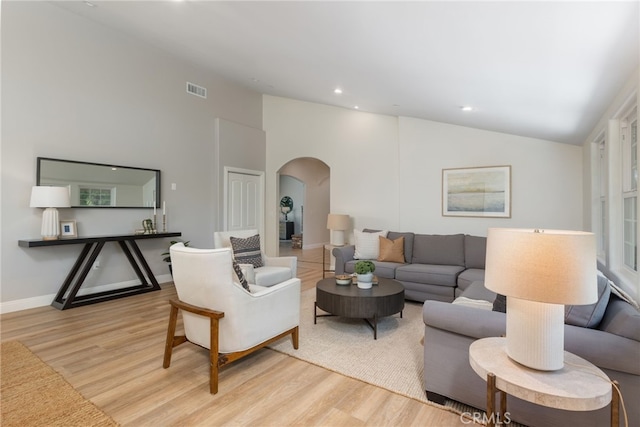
[(337, 223), (539, 271), (50, 198)]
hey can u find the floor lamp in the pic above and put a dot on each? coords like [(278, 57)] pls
[(50, 198), (539, 271)]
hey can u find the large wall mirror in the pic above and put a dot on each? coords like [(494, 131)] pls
[(95, 185)]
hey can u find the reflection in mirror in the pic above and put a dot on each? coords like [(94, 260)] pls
[(95, 185)]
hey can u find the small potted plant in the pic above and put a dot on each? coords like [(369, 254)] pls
[(364, 271), (167, 255)]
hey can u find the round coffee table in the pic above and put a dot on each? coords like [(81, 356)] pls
[(384, 299)]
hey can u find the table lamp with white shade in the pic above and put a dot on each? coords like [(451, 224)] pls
[(338, 223), (540, 271), (50, 198)]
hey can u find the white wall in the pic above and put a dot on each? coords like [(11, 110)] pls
[(360, 149), (75, 89), (546, 177), (386, 171)]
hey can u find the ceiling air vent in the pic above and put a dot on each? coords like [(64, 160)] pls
[(197, 90)]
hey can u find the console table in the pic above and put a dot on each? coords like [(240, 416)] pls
[(67, 296)]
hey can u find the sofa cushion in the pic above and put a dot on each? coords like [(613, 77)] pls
[(589, 316), (438, 249), (442, 275), (272, 275), (247, 251), (391, 250), (475, 251), (621, 318), (469, 276), (477, 290), (367, 244)]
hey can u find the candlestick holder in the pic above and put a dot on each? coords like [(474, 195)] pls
[(164, 223), (155, 223)]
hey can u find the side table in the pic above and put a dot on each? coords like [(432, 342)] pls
[(332, 266), (579, 386)]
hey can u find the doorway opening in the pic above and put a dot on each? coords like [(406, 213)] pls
[(306, 181)]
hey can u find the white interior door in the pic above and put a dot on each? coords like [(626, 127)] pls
[(244, 201)]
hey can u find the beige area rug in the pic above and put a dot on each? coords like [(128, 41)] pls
[(394, 361), (33, 394)]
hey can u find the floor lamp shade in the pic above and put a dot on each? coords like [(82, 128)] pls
[(338, 223), (50, 198), (540, 271)]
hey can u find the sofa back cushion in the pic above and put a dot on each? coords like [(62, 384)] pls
[(475, 251), (438, 249)]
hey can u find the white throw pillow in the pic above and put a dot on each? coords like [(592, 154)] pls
[(368, 244)]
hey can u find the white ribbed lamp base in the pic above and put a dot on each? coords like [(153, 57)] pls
[(535, 334), (337, 237), (50, 224)]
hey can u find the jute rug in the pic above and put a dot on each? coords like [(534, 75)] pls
[(33, 394), (394, 361)]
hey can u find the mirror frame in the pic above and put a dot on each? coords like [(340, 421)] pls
[(156, 171)]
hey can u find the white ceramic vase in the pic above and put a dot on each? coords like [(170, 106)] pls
[(364, 280)]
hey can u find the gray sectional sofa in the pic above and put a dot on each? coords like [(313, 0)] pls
[(611, 342), (436, 267)]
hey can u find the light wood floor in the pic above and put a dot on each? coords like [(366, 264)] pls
[(112, 353)]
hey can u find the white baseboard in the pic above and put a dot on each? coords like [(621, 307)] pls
[(45, 300)]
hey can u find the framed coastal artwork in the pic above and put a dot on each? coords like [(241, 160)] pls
[(477, 192)]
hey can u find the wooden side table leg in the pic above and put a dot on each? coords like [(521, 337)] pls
[(615, 405), (503, 406), (491, 399)]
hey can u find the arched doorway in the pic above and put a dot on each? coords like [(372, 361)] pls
[(307, 179)]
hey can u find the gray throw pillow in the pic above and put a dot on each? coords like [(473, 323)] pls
[(241, 278), (500, 303), (589, 316), (247, 251)]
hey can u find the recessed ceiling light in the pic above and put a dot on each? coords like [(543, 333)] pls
[(88, 3), (337, 91), (356, 107), (466, 108)]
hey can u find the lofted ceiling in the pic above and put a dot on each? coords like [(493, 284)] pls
[(542, 69)]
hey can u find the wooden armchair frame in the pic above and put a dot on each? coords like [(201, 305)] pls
[(216, 359)]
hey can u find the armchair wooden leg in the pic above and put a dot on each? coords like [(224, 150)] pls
[(295, 335), (214, 366), (171, 332)]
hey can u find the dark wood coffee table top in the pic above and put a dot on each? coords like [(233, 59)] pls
[(384, 299)]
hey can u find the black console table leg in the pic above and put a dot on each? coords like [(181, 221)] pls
[(61, 302), (142, 261)]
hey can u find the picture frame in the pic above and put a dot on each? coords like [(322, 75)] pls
[(477, 192), (68, 229)]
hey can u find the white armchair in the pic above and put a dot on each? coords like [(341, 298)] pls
[(220, 315), (275, 269)]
